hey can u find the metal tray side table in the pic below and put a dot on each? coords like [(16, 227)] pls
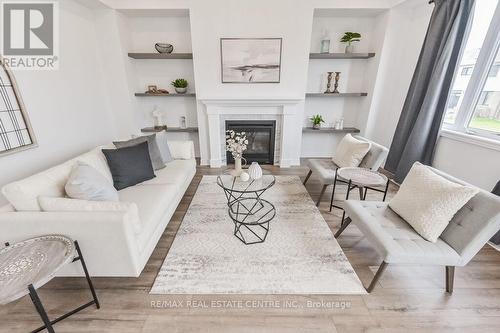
[(361, 178), (250, 213), (30, 264)]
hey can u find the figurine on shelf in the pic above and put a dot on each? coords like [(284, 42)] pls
[(329, 83), (154, 90), (183, 122), (336, 85), (157, 117)]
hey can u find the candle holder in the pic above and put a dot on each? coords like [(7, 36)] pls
[(336, 85), (329, 84)]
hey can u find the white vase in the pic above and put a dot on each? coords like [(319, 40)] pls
[(237, 166), (255, 171)]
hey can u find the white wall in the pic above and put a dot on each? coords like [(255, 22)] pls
[(212, 20), (406, 27), (144, 30), (357, 75), (68, 108), (473, 163)]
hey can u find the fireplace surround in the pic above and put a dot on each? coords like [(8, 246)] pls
[(212, 127), (261, 136)]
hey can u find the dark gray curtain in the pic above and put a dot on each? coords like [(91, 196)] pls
[(420, 121)]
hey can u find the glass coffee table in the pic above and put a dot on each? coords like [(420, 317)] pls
[(250, 213)]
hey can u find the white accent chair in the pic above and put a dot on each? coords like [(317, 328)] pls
[(398, 243), (325, 168)]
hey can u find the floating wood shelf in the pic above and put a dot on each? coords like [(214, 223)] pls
[(169, 129), (336, 95), (331, 130), (341, 55), (165, 95), (161, 55)]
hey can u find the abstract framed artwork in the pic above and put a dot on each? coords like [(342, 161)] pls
[(250, 60), (16, 133)]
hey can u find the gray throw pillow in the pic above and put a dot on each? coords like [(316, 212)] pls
[(130, 165), (154, 151), (162, 142), (86, 183)]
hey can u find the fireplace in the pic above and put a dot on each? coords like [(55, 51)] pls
[(261, 138)]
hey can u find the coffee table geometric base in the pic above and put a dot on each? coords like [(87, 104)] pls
[(251, 217), (249, 212)]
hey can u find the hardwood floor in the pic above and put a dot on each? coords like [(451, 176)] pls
[(407, 298)]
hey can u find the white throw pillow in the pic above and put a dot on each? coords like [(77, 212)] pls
[(180, 150), (350, 151), (428, 201), (23, 194), (53, 204), (86, 183)]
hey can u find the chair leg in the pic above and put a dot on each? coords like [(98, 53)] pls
[(321, 194), (377, 276), (40, 309), (361, 196), (307, 177), (450, 276), (87, 276), (343, 225)]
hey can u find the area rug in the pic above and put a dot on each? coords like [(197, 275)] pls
[(299, 256)]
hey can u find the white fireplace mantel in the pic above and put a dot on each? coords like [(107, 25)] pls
[(285, 109)]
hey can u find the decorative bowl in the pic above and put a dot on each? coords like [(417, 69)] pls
[(164, 47)]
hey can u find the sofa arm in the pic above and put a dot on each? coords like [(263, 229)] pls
[(107, 238), (181, 150)]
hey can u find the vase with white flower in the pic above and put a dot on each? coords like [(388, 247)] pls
[(236, 144)]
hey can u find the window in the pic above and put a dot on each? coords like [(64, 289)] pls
[(473, 105), (454, 98), (467, 70), (494, 70), (485, 98)]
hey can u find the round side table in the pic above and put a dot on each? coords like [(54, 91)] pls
[(30, 264), (250, 213), (361, 178)]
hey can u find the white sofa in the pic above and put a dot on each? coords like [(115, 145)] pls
[(114, 243)]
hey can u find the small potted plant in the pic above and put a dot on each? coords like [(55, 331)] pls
[(348, 38), (180, 86), (316, 121)]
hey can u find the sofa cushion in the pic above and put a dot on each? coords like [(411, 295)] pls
[(23, 194), (86, 183), (428, 201), (129, 165), (154, 151), (350, 151), (50, 204), (177, 172), (394, 239), (152, 202)]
